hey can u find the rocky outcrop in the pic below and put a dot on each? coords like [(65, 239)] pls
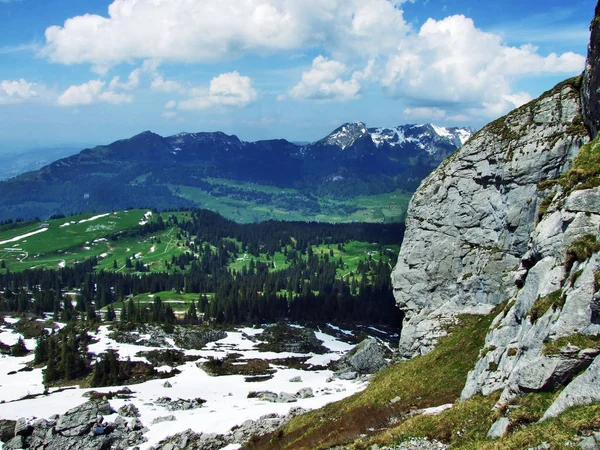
[(582, 391), (591, 90), (514, 217), (81, 428), (239, 434), (368, 357), (469, 223)]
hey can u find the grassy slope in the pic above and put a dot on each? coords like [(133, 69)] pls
[(371, 418), (430, 380), (390, 207), (75, 242)]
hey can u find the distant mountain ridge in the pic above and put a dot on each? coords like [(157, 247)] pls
[(149, 170)]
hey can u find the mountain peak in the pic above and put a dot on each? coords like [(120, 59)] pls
[(346, 135)]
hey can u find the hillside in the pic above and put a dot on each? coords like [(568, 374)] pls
[(498, 280), (354, 174)]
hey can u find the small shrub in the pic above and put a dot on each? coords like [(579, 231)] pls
[(577, 339), (580, 250), (543, 304), (512, 351)]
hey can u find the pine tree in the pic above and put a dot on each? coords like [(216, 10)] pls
[(19, 349), (110, 313), (115, 265), (41, 349), (2, 265)]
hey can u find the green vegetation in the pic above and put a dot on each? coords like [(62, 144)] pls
[(578, 340), (580, 250), (67, 241), (426, 381), (553, 300), (381, 208)]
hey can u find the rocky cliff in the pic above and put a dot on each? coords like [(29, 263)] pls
[(514, 216)]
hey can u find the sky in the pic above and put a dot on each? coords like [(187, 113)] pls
[(94, 71)]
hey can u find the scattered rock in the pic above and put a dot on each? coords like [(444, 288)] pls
[(81, 428), (296, 380), (129, 410), (239, 435), (180, 404), (167, 385), (163, 419), (499, 428), (282, 338), (305, 393)]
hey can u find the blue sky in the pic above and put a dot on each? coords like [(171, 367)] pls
[(94, 71)]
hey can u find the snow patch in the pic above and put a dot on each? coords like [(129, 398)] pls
[(23, 236), (94, 218)]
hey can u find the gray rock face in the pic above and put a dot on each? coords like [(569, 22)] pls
[(469, 223), (583, 390), (368, 357)]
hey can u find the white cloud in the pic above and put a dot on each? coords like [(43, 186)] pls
[(324, 81), (159, 84), (133, 81), (425, 113), (228, 89), (208, 30), (169, 114), (91, 92), (450, 63), (17, 91)]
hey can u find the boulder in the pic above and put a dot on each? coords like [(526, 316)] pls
[(7, 430), (368, 357), (129, 410), (583, 390)]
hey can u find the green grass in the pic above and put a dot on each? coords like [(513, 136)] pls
[(353, 252), (64, 244), (543, 304), (578, 340), (389, 207), (581, 249)]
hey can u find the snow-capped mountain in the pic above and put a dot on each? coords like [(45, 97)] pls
[(427, 137), (153, 171)]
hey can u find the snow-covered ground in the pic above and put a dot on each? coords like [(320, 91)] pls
[(23, 236), (91, 219), (226, 396)]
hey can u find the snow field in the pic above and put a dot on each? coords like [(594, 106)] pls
[(226, 404)]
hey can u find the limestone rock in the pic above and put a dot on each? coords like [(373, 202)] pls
[(470, 221), (366, 358), (583, 390), (81, 428), (129, 410), (499, 428)]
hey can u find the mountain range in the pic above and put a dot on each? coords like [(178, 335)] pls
[(149, 170)]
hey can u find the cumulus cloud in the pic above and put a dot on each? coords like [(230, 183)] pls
[(228, 89), (91, 92), (208, 30), (159, 84), (324, 81), (450, 62), (133, 81), (17, 91)]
